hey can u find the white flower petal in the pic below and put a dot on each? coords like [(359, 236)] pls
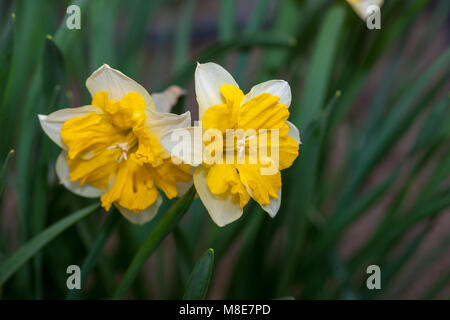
[(62, 171), (184, 144), (274, 205), (142, 217), (209, 77), (278, 88), (293, 132), (161, 123), (164, 101), (361, 6), (52, 123), (222, 211), (116, 84), (183, 187)]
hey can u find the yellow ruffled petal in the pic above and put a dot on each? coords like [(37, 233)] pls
[(96, 171), (133, 188), (168, 174), (223, 179), (89, 134), (288, 151), (262, 186), (149, 149), (126, 113), (224, 116), (263, 112)]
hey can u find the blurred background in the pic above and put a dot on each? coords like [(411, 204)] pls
[(370, 186)]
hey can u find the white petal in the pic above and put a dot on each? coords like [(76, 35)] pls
[(116, 84), (274, 205), (62, 171), (142, 217), (222, 211), (52, 123), (161, 123), (183, 187), (185, 144), (209, 77), (164, 101), (361, 6), (278, 88), (293, 132)]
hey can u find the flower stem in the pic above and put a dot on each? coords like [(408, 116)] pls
[(163, 227)]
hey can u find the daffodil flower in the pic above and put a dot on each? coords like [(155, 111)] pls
[(111, 149), (226, 187), (361, 6)]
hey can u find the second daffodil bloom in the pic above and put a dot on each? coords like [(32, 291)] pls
[(226, 185), (111, 148), (361, 6)]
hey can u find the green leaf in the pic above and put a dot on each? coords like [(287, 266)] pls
[(3, 171), (320, 67), (198, 283), (437, 287), (254, 24), (434, 122), (336, 224), (6, 53), (226, 19), (102, 32), (28, 250), (163, 227), (299, 205), (216, 50), (53, 64), (140, 12), (183, 34), (96, 250), (400, 118)]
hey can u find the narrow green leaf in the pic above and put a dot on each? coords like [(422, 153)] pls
[(433, 124), (431, 256), (6, 53), (336, 224), (226, 19), (387, 236), (216, 50), (96, 250), (3, 171), (299, 205), (139, 15), (14, 262), (288, 18), (156, 235), (437, 287), (400, 118), (198, 283), (183, 34), (254, 24), (395, 264), (102, 32), (320, 67), (53, 64)]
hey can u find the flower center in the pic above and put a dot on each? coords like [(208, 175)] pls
[(125, 147)]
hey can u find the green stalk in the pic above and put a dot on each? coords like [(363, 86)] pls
[(162, 228), (96, 250)]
